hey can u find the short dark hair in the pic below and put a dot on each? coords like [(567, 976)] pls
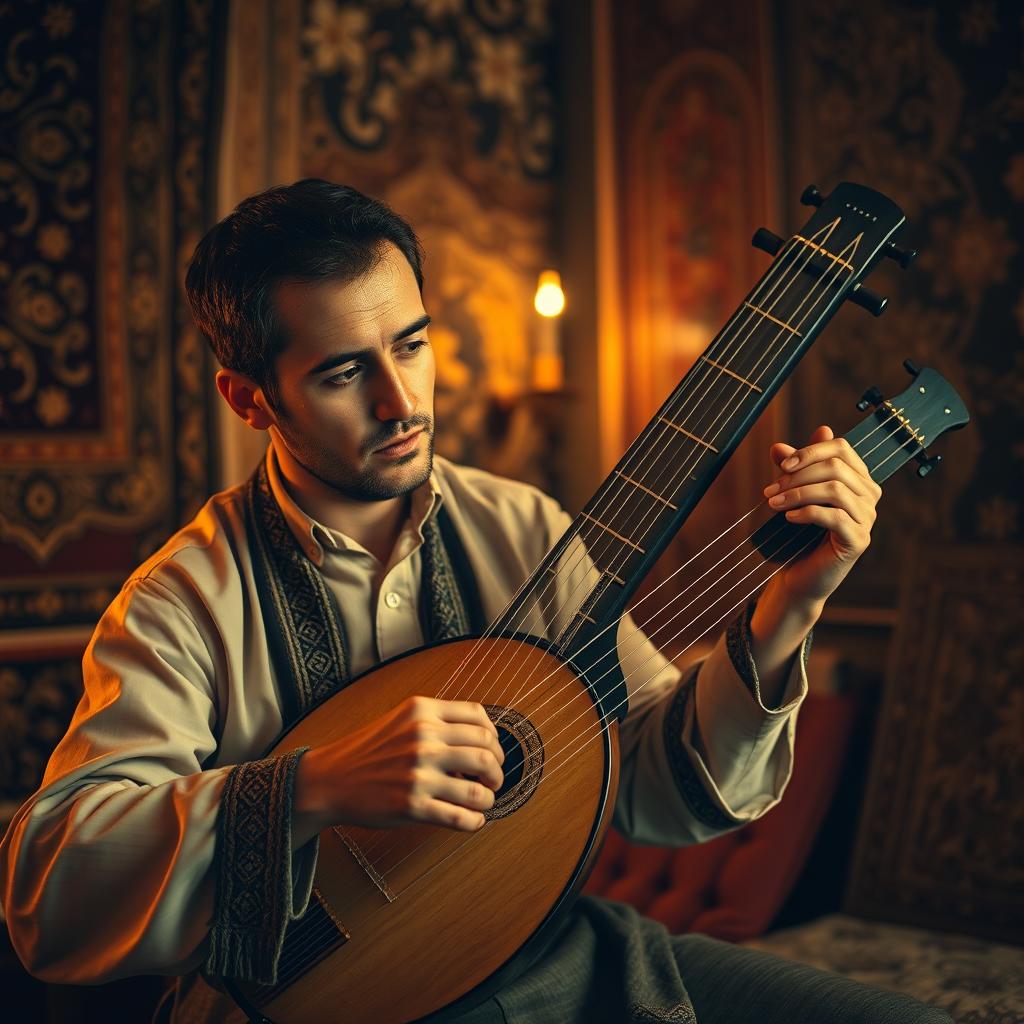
[(312, 230)]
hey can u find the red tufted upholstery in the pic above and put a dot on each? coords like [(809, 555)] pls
[(733, 886)]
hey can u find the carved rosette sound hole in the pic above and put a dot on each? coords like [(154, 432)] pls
[(524, 760)]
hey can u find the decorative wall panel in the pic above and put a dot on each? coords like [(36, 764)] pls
[(106, 117), (446, 109), (924, 102), (105, 112)]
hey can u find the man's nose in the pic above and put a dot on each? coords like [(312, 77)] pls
[(392, 400)]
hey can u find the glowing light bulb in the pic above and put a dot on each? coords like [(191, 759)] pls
[(550, 299)]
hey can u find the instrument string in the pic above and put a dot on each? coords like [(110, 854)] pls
[(467, 839), (603, 723), (312, 941), (682, 471), (678, 596), (524, 656), (766, 358), (682, 398), (778, 270)]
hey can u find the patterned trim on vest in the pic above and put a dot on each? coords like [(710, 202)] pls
[(442, 609), (739, 644), (305, 630), (253, 900), (689, 784)]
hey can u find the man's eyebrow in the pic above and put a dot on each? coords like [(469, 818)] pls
[(343, 357), (416, 325)]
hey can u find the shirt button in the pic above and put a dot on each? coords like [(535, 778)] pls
[(392, 600)]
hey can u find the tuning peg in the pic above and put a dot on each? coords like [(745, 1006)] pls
[(904, 257), (812, 196), (911, 367), (767, 241), (873, 396), (927, 464), (873, 303)]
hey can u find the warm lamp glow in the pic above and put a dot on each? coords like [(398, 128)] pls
[(550, 299)]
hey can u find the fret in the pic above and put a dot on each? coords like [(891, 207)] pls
[(735, 376), (635, 510), (646, 490), (686, 433), (774, 319), (608, 529)]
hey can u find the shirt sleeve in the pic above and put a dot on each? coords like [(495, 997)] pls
[(117, 865), (700, 752)]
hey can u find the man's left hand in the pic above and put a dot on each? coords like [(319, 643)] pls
[(827, 484)]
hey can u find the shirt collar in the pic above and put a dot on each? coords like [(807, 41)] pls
[(313, 536)]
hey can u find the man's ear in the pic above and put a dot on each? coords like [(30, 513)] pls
[(246, 398)]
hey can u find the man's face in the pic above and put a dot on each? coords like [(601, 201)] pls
[(356, 380)]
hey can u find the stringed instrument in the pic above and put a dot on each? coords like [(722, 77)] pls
[(406, 922)]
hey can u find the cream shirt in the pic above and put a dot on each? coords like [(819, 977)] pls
[(108, 869)]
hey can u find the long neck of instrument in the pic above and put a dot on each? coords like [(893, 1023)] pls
[(665, 472)]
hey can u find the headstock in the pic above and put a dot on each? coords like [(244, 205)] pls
[(851, 231)]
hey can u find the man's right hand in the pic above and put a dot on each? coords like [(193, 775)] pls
[(428, 761)]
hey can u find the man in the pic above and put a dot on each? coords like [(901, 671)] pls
[(161, 842)]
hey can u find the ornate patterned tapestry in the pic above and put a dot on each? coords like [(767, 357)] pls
[(105, 133), (446, 109), (924, 102), (940, 837)]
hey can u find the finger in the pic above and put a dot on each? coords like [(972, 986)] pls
[(468, 793), (851, 536), (832, 492), (838, 447), (474, 761), (466, 712), (820, 472), (780, 450), (472, 736), (439, 812)]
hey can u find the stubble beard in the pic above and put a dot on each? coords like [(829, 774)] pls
[(368, 484)]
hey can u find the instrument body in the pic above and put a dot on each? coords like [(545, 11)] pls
[(455, 907)]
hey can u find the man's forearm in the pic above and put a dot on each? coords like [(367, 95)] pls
[(778, 627)]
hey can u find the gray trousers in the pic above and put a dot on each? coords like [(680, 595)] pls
[(609, 964)]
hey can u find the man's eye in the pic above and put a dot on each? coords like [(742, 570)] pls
[(345, 377), (414, 346)]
